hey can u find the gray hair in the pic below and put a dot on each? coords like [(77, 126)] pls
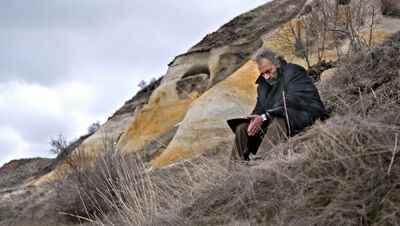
[(267, 53)]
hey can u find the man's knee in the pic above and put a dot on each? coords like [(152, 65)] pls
[(276, 133), (242, 128), (278, 124)]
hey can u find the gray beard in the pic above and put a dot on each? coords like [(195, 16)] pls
[(271, 81)]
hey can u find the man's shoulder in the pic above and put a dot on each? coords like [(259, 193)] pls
[(295, 72), (291, 67)]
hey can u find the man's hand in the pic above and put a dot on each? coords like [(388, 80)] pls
[(255, 124)]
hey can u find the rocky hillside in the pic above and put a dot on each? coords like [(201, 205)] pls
[(17, 172), (157, 126), (182, 116)]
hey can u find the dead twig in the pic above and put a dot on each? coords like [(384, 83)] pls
[(79, 217), (287, 116), (362, 103), (373, 92), (394, 153)]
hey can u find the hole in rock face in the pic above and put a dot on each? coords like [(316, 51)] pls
[(199, 69), (228, 63), (195, 79)]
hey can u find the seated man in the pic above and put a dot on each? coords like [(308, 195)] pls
[(287, 102)]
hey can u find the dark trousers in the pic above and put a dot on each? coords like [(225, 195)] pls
[(265, 139)]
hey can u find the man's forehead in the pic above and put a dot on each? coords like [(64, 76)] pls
[(264, 64), (265, 61)]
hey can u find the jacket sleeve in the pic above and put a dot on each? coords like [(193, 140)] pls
[(258, 109), (299, 91)]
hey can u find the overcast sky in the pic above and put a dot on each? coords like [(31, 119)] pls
[(67, 64)]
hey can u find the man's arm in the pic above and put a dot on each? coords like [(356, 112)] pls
[(258, 109)]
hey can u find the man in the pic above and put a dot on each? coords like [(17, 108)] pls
[(287, 102)]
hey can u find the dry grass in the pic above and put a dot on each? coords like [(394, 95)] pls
[(334, 173), (374, 73)]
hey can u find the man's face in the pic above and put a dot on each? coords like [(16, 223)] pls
[(268, 70)]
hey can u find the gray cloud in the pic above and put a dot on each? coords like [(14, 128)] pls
[(66, 64)]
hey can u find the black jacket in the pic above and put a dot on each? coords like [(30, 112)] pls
[(303, 102)]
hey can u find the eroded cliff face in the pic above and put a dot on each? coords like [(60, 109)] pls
[(206, 64), (184, 114), (204, 125)]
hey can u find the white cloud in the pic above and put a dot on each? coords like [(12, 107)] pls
[(67, 64), (22, 97), (31, 114), (12, 146)]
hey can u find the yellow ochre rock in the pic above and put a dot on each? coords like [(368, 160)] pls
[(108, 133), (204, 125), (163, 111)]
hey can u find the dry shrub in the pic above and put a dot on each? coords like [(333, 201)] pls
[(391, 8), (119, 189), (77, 191), (89, 191), (148, 198), (342, 178), (375, 74)]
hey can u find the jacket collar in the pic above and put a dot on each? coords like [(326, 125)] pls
[(280, 70)]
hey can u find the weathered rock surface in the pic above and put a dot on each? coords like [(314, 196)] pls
[(206, 64), (251, 25), (164, 110), (204, 126), (164, 121), (149, 124)]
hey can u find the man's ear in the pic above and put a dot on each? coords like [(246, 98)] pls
[(278, 64)]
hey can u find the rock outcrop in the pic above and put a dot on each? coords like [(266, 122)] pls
[(184, 113), (206, 64), (204, 125)]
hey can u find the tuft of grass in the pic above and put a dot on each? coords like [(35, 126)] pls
[(366, 83)]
